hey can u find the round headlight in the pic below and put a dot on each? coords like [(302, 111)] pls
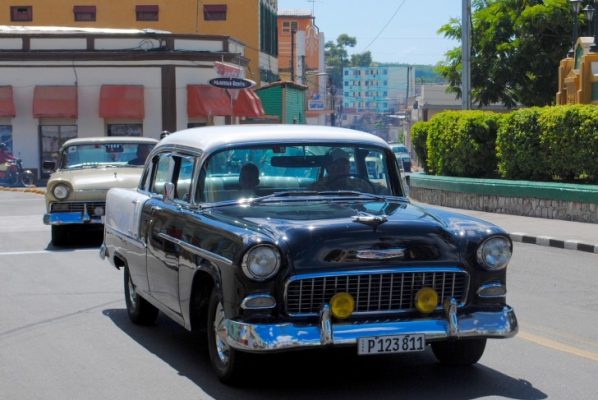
[(494, 253), (261, 262), (61, 192)]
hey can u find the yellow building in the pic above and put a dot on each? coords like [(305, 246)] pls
[(253, 22), (578, 76)]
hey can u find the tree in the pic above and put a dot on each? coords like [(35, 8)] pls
[(337, 58), (516, 49)]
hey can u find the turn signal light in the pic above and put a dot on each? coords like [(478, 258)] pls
[(426, 300), (342, 305)]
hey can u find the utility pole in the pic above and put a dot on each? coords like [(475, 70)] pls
[(293, 31), (466, 54)]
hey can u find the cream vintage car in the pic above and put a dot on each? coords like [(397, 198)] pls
[(86, 168)]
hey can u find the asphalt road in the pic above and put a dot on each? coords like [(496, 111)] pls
[(64, 334)]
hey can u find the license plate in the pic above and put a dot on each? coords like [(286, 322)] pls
[(391, 344)]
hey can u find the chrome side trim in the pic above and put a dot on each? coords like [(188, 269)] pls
[(286, 336), (197, 250)]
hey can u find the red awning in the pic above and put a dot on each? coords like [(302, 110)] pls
[(55, 102), (248, 104), (7, 106), (122, 102), (205, 101)]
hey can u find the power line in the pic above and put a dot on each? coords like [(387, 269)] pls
[(385, 26)]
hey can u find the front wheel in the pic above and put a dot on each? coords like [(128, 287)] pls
[(28, 179), (140, 311), (459, 352), (226, 361)]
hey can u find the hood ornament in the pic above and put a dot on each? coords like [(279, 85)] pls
[(369, 219), (380, 254)]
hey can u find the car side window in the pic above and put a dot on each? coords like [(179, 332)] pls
[(162, 173), (184, 175)]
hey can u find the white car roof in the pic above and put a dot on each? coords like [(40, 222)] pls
[(209, 139), (109, 139)]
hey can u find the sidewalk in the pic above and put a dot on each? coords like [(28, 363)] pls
[(545, 232)]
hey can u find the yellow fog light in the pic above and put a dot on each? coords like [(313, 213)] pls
[(342, 305), (426, 300)]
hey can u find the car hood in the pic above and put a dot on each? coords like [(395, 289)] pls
[(97, 181), (319, 234)]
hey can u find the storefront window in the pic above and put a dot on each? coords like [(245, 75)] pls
[(51, 138), (125, 129), (6, 136)]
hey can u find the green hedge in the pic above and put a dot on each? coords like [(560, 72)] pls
[(550, 143), (463, 144)]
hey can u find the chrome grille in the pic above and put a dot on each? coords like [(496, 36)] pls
[(375, 292), (78, 206)]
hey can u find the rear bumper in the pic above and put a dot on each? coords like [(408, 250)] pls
[(69, 218), (287, 336)]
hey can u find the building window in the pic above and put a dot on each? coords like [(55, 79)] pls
[(214, 12), (84, 13), (125, 130), (146, 13), (21, 13)]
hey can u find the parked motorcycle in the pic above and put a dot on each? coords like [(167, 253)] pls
[(12, 174)]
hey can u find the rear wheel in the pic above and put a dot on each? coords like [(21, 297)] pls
[(459, 352), (140, 311), (60, 235), (226, 361)]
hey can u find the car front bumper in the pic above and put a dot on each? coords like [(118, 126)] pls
[(69, 218), (286, 336)]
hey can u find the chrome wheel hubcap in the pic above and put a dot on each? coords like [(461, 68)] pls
[(222, 347)]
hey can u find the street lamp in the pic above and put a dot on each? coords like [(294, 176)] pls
[(575, 7)]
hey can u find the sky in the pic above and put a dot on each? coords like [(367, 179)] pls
[(409, 37)]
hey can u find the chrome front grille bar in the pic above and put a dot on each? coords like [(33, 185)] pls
[(384, 291)]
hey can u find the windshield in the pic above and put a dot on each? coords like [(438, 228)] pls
[(105, 154), (303, 169)]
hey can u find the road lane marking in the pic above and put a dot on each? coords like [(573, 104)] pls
[(26, 253), (553, 344)]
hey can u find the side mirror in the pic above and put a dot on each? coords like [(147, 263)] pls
[(49, 166), (169, 192)]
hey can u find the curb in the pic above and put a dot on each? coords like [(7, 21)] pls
[(552, 242), (24, 190)]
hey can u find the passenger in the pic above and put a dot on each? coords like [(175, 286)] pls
[(142, 153), (249, 179)]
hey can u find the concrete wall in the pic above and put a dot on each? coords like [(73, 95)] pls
[(532, 199)]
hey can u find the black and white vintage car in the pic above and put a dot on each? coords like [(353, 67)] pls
[(276, 237)]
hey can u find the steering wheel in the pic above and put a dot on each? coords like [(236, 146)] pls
[(334, 183)]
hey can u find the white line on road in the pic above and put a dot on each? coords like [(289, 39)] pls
[(26, 253)]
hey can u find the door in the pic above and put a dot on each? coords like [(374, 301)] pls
[(164, 221)]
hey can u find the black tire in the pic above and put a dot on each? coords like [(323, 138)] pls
[(60, 235), (227, 362), (140, 311), (459, 352)]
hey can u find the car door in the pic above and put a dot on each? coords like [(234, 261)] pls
[(163, 219)]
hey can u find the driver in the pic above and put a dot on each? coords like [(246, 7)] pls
[(338, 176)]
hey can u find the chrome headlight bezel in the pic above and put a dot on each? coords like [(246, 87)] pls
[(494, 253), (61, 191), (254, 260)]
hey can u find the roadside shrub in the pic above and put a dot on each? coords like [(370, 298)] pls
[(518, 146), (463, 143), (570, 138), (419, 135)]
